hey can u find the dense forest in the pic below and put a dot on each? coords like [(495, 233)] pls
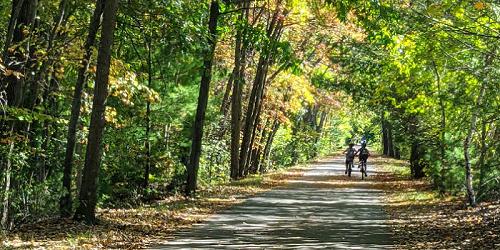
[(109, 102)]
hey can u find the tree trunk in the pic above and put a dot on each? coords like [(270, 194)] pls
[(481, 163), (24, 18), (257, 154), (40, 77), (225, 99), (239, 62), (22, 15), (88, 192), (385, 137), (390, 141), (194, 160), (16, 9), (147, 167), (5, 221), (417, 166), (65, 202), (254, 104), (267, 149), (251, 116), (255, 130), (442, 144), (468, 139)]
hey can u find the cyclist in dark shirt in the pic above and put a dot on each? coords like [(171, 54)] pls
[(350, 153), (363, 155)]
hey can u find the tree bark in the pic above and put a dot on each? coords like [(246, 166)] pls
[(251, 115), (390, 141), (254, 103), (194, 161), (25, 18), (4, 222), (267, 149), (22, 14), (88, 192), (468, 139), (442, 144), (41, 76), (239, 67), (481, 163), (257, 153), (417, 166), (225, 99), (385, 137), (16, 9), (65, 203), (147, 167)]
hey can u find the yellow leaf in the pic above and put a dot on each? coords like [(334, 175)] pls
[(480, 5)]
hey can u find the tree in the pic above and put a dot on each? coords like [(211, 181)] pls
[(88, 192), (22, 17), (194, 159), (66, 198)]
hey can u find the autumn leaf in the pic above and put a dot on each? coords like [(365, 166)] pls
[(480, 5), (16, 74)]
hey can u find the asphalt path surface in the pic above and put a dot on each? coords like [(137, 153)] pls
[(307, 213)]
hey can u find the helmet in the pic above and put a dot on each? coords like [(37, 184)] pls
[(351, 143)]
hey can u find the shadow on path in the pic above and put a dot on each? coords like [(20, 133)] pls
[(304, 214)]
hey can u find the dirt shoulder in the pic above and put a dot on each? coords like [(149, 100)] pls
[(421, 219)]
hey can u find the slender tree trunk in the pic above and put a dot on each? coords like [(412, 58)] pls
[(88, 192), (24, 19), (22, 15), (390, 141), (267, 149), (65, 202), (481, 163), (319, 131), (255, 130), (257, 154), (40, 77), (225, 100), (385, 137), (251, 115), (442, 143), (194, 160), (468, 139), (4, 223), (240, 51), (472, 128), (254, 104), (147, 167), (16, 9)]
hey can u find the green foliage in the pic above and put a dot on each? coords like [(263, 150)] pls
[(339, 71)]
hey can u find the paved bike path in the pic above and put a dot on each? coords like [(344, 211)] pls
[(305, 214)]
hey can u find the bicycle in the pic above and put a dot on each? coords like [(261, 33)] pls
[(362, 165), (350, 165)]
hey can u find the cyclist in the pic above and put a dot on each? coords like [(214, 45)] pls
[(350, 153), (363, 140), (363, 155)]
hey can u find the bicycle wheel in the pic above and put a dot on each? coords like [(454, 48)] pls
[(363, 171)]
